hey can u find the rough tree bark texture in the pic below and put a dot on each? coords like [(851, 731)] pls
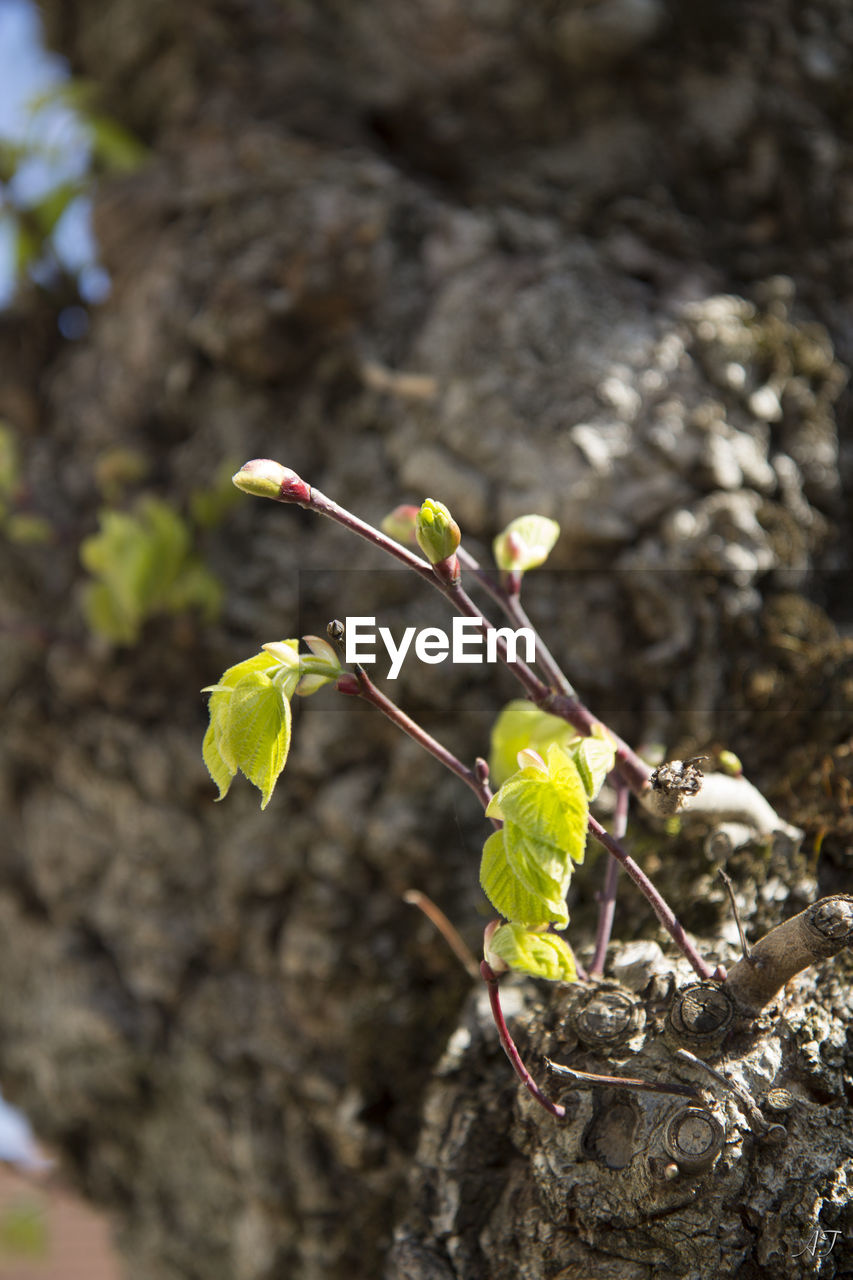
[(614, 240)]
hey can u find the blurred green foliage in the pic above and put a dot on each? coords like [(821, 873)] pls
[(101, 146), (23, 1230), (144, 564), (16, 524)]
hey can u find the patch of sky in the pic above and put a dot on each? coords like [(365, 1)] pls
[(51, 147)]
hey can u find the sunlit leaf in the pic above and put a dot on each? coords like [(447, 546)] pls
[(550, 808), (521, 724), (259, 721), (227, 747), (543, 955), (510, 895), (595, 757)]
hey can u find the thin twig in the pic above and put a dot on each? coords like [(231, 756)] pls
[(621, 1082), (448, 931), (744, 945), (757, 1121), (663, 912), (607, 897), (295, 490), (364, 688), (509, 1045), (511, 605)]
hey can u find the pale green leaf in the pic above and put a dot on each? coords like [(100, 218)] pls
[(594, 757), (144, 562), (509, 895), (543, 955), (258, 731), (219, 769), (525, 543), (105, 616), (542, 868), (217, 750), (520, 725), (550, 808)]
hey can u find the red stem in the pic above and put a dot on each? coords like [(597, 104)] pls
[(509, 1048), (473, 778), (660, 908)]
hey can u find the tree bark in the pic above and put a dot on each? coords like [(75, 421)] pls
[(591, 261)]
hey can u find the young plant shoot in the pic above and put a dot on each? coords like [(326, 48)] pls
[(549, 759)]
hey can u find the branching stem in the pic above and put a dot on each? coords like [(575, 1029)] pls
[(560, 703), (663, 912), (364, 688)]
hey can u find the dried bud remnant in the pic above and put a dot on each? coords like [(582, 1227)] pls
[(675, 782)]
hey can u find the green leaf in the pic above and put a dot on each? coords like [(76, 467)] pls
[(525, 543), (23, 1229), (521, 724), (259, 731), (145, 566), (225, 749), (595, 757), (527, 866), (9, 464), (543, 955), (510, 895), (550, 806), (28, 248), (218, 767)]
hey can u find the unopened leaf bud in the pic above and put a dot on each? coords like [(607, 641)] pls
[(729, 763), (525, 543), (437, 532), (495, 962), (400, 524), (264, 478)]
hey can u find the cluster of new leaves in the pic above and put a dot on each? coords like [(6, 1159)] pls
[(250, 713), (144, 565), (527, 864), (542, 805)]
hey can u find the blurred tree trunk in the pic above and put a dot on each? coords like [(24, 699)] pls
[(613, 241)]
